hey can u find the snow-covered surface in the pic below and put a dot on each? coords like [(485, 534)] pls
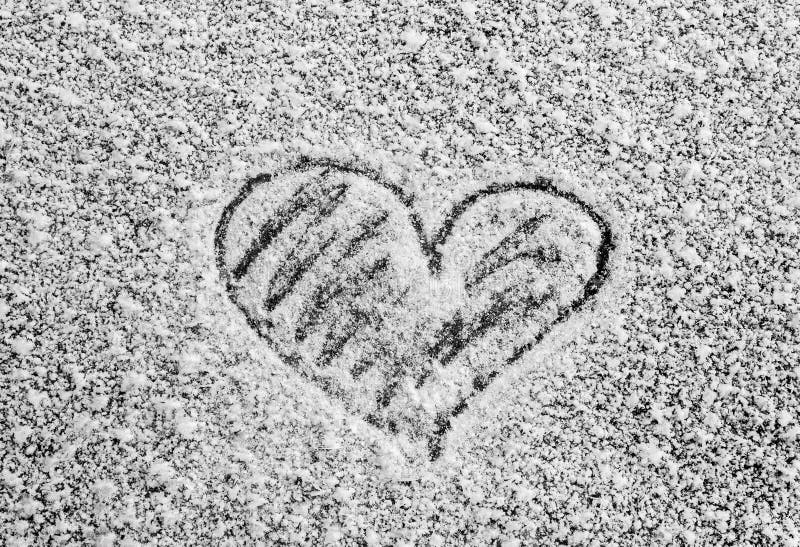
[(138, 407)]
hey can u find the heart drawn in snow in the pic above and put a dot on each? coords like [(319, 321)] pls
[(333, 265)]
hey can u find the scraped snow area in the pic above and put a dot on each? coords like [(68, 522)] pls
[(148, 397)]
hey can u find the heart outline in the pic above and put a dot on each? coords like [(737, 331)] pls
[(430, 249)]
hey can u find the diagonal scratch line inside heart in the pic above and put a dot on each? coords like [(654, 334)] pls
[(286, 280), (367, 230), (283, 283), (303, 199), (457, 335), (540, 184), (505, 253), (503, 305), (334, 345), (450, 331), (358, 318), (477, 328), (354, 285), (407, 199)]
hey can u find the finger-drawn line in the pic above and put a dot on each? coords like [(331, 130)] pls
[(367, 230), (354, 284), (301, 200), (284, 282), (507, 252), (452, 339), (334, 344), (451, 330)]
